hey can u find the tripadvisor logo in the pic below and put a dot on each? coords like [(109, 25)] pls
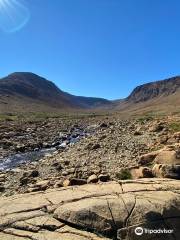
[(139, 231)]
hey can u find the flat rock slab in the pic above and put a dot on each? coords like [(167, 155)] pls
[(110, 210)]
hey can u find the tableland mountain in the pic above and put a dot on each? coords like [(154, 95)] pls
[(24, 91)]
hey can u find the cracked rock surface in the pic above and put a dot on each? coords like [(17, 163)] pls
[(93, 211)]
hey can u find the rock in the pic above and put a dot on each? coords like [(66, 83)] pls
[(71, 170), (163, 139), (168, 157), (64, 173), (157, 127), (42, 185), (137, 133), (66, 183), (16, 170), (24, 180), (148, 158), (92, 179), (46, 145), (66, 162), (2, 177), (166, 171), (177, 135), (58, 184), (20, 148), (77, 181), (55, 144), (28, 177), (2, 188), (94, 212), (103, 177), (92, 146), (142, 172), (96, 146), (57, 165), (33, 189), (103, 125), (33, 174)]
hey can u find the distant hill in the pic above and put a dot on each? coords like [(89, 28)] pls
[(30, 92), (152, 90), (155, 96)]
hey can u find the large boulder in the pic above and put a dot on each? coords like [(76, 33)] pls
[(110, 210), (141, 172), (148, 158), (168, 157), (166, 171)]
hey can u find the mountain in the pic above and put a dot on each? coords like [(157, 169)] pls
[(159, 96), (156, 89), (23, 90)]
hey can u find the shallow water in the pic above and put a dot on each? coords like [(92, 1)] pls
[(20, 158), (16, 160)]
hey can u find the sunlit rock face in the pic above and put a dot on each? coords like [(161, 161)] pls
[(13, 15)]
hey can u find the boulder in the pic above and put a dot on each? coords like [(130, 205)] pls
[(141, 172), (66, 183), (157, 127), (168, 157), (58, 184), (166, 171), (177, 135), (104, 177), (77, 181), (92, 179), (42, 185), (148, 158)]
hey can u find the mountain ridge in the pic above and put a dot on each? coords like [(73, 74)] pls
[(32, 86), (24, 89), (154, 89)]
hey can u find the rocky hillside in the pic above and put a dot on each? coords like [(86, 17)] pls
[(160, 97), (152, 90), (31, 89)]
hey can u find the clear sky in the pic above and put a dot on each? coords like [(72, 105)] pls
[(98, 48)]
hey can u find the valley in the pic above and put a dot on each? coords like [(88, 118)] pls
[(87, 168)]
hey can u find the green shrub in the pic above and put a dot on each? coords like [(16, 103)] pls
[(124, 174), (175, 126)]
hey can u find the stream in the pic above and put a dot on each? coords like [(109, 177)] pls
[(63, 142)]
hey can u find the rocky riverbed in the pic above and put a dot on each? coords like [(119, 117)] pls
[(80, 151), (62, 141)]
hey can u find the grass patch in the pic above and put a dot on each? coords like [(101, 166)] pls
[(145, 119), (41, 116), (8, 117), (175, 126), (124, 174), (149, 116)]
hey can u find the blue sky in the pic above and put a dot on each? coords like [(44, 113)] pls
[(98, 48)]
